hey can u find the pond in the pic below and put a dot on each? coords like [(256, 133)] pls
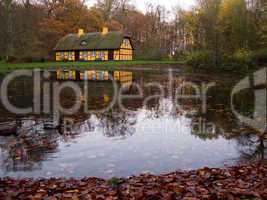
[(148, 130)]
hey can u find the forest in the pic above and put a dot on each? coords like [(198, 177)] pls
[(213, 33)]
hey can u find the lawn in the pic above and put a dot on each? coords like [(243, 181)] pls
[(96, 65)]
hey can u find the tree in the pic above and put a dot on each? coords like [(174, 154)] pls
[(7, 28), (208, 12), (234, 25), (187, 31), (96, 19), (108, 7), (64, 17)]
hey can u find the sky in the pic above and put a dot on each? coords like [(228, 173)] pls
[(169, 4)]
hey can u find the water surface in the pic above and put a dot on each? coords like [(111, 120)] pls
[(157, 137)]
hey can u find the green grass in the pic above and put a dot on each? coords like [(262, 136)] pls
[(114, 182), (96, 65)]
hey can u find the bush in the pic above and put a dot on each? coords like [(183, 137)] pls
[(180, 56), (201, 59), (260, 56), (243, 56), (30, 59), (227, 59), (26, 59), (240, 60), (151, 54), (12, 59)]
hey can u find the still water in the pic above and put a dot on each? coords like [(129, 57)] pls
[(137, 137)]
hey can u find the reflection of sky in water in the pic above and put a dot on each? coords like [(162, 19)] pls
[(160, 143)]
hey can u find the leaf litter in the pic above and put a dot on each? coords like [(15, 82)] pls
[(239, 182)]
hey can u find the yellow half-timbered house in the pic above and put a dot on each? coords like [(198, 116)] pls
[(99, 46)]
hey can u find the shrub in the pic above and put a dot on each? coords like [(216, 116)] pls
[(152, 54), (199, 59), (260, 56), (243, 56), (227, 59), (179, 55), (30, 59), (12, 59)]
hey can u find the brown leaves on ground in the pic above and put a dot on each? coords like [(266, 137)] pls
[(246, 182)]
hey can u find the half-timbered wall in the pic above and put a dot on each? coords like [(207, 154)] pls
[(126, 50)]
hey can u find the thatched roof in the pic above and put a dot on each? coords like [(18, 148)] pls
[(91, 41)]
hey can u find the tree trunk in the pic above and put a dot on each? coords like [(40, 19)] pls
[(8, 28)]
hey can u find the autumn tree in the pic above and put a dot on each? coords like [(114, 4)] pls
[(63, 17), (108, 7), (187, 30), (234, 25), (208, 13), (219, 28)]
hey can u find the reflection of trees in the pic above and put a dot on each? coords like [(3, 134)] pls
[(26, 152), (218, 112), (205, 128), (110, 124), (253, 146), (117, 124), (33, 145)]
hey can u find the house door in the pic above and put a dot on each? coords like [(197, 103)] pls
[(77, 55), (110, 55)]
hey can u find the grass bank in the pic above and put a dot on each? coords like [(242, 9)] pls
[(94, 65)]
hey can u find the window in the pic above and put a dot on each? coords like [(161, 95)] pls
[(71, 56), (81, 55), (126, 41), (83, 43), (86, 55), (102, 54), (67, 55)]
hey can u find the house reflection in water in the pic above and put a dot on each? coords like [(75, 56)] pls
[(124, 78)]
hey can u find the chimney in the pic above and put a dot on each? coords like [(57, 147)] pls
[(80, 32), (105, 30)]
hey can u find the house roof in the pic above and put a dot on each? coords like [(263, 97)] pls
[(91, 41)]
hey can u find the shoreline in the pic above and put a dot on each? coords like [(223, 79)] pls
[(136, 65), (248, 181), (139, 65)]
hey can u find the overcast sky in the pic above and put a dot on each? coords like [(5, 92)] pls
[(141, 4)]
